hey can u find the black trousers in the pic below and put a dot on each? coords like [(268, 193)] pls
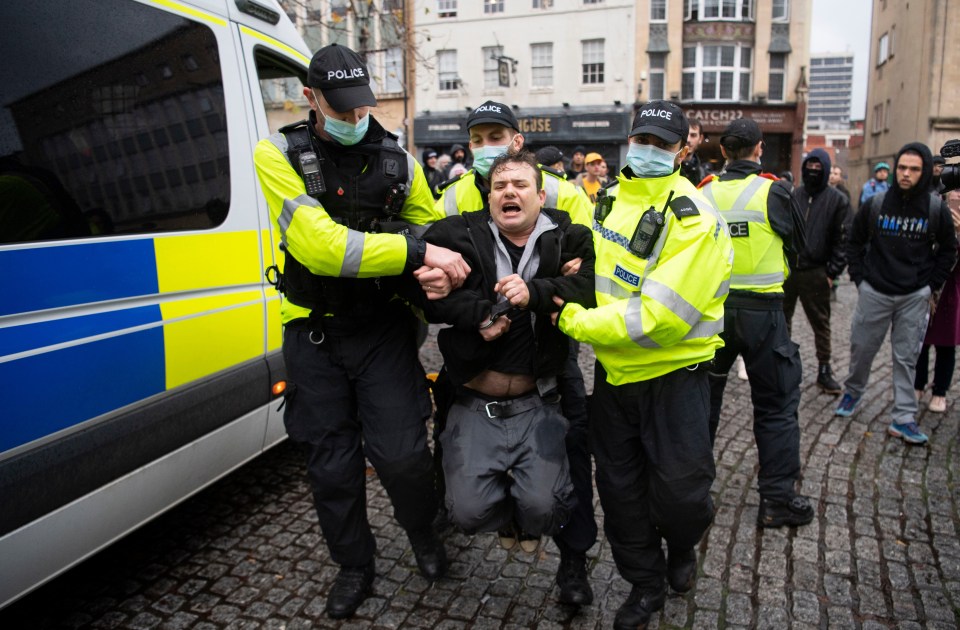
[(363, 394), (579, 534), (773, 365), (942, 369), (655, 466), (813, 290)]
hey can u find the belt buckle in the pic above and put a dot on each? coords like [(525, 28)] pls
[(496, 408)]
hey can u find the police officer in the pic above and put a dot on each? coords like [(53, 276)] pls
[(336, 184), (663, 259), (494, 131), (764, 221)]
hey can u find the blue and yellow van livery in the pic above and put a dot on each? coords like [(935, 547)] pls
[(139, 342)]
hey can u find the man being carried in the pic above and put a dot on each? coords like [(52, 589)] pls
[(503, 447), (494, 130)]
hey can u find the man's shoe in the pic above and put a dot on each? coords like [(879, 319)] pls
[(825, 380), (909, 431), (796, 511), (508, 537), (848, 404), (528, 542), (351, 586), (430, 554), (572, 579), (640, 605), (681, 570), (938, 404)]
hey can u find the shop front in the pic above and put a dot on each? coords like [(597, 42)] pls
[(782, 127), (603, 130)]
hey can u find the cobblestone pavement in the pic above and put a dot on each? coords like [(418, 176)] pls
[(883, 551)]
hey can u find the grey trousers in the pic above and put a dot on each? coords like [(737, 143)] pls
[(907, 317), (479, 451)]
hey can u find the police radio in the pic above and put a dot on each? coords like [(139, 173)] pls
[(648, 230), (312, 177)]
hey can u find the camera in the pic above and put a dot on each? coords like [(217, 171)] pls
[(950, 176)]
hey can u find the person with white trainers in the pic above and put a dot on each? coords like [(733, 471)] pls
[(943, 332), (901, 250)]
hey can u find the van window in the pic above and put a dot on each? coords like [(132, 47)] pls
[(281, 86), (112, 121)]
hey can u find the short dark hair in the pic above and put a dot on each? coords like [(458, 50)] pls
[(739, 152), (523, 156), (695, 122)]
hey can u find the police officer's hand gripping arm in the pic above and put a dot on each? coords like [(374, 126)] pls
[(327, 248)]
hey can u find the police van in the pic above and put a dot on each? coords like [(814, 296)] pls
[(139, 342)]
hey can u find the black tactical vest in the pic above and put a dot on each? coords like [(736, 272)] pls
[(366, 185)]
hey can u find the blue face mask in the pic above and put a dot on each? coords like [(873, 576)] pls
[(484, 156), (646, 160), (345, 133)]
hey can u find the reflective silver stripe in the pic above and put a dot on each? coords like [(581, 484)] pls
[(705, 329), (411, 169), (290, 207), (708, 193), (723, 289), (551, 185), (280, 141), (747, 193), (634, 322), (757, 279), (450, 201), (610, 287), (352, 255), (751, 216), (672, 300)]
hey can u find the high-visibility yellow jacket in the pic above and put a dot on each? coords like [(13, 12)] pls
[(325, 247), (759, 263), (665, 312), (462, 195)]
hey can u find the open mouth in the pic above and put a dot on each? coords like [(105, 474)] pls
[(510, 208)]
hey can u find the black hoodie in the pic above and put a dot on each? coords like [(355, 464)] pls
[(891, 247), (827, 214)]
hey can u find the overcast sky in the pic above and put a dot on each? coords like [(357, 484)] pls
[(844, 26)]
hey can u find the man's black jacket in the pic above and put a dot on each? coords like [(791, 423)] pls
[(465, 353), (828, 216)]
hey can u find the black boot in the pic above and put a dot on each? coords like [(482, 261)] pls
[(640, 605), (572, 579), (825, 380), (351, 586), (797, 511), (429, 552), (681, 569)]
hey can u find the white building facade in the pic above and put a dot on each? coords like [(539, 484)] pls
[(566, 67)]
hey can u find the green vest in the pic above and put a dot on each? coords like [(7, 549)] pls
[(759, 264)]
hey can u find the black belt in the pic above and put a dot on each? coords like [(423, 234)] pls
[(507, 408)]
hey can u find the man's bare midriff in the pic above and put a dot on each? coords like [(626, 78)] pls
[(500, 384)]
